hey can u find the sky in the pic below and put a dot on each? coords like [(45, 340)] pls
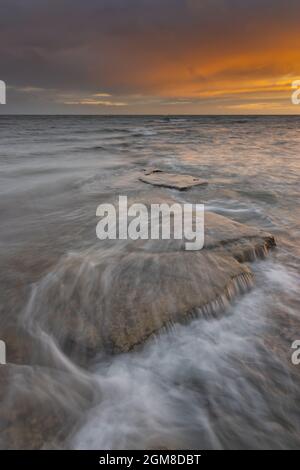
[(149, 56)]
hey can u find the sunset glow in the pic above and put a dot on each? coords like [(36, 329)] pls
[(172, 56)]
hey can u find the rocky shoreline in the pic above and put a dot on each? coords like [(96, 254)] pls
[(110, 301)]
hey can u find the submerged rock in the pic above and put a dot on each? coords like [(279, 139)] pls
[(40, 405), (243, 242), (112, 299), (170, 180), (115, 304)]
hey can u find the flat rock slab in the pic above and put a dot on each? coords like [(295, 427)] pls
[(171, 180), (113, 302), (112, 298), (243, 242)]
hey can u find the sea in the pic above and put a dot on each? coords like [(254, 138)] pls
[(225, 382)]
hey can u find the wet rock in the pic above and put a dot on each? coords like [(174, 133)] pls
[(115, 298), (178, 181), (39, 406), (115, 306), (243, 242)]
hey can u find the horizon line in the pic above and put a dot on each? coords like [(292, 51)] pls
[(145, 115)]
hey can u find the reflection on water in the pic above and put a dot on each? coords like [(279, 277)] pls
[(224, 382)]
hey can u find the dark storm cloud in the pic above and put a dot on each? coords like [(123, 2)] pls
[(158, 48)]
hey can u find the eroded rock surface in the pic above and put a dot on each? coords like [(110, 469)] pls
[(96, 303), (243, 242), (115, 298)]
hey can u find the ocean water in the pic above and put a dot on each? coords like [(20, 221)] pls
[(213, 383)]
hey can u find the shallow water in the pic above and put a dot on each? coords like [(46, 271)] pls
[(225, 382)]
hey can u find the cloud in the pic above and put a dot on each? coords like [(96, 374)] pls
[(92, 102), (30, 89), (103, 95), (194, 51)]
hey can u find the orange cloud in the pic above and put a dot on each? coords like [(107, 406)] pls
[(161, 56)]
